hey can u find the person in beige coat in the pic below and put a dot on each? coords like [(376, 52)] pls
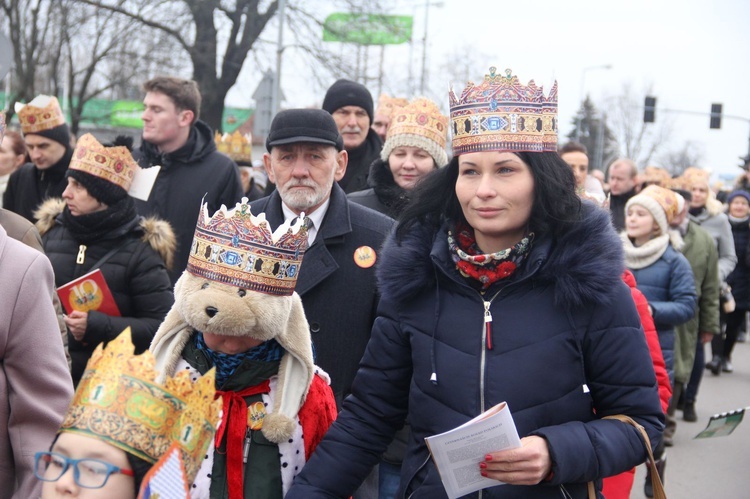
[(35, 384)]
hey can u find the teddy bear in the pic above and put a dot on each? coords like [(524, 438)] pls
[(236, 310)]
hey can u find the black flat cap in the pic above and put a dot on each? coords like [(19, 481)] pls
[(304, 125)]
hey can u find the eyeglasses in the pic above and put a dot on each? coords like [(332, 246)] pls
[(87, 473)]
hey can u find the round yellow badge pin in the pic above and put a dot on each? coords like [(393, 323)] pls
[(365, 257), (255, 414)]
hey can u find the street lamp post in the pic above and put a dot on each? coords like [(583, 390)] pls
[(276, 93)]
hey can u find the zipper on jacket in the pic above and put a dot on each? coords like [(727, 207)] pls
[(427, 459), (486, 345), (81, 254)]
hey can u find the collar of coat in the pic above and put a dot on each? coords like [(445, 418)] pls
[(582, 266), (157, 233)]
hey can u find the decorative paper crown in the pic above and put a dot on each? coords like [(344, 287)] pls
[(113, 164), (656, 175), (693, 175), (2, 126), (419, 124), (119, 402), (237, 248), (237, 146), (500, 114), (387, 104), (42, 113)]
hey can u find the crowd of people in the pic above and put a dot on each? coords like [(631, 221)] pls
[(401, 272)]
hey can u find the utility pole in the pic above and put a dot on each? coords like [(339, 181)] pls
[(276, 94)]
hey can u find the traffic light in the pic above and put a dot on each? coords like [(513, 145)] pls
[(649, 110), (715, 116)]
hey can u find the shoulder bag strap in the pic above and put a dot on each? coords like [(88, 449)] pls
[(655, 480)]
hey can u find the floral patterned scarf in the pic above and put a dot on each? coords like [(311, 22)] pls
[(485, 268)]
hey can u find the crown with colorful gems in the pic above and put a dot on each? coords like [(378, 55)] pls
[(42, 113), (237, 146), (119, 402), (501, 114), (113, 164), (237, 248)]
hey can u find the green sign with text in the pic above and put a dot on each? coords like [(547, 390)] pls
[(367, 29)]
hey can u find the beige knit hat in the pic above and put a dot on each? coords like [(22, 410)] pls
[(419, 124), (660, 202)]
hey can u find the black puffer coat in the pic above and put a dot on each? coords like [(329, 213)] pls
[(136, 274), (196, 172), (385, 195), (739, 279), (568, 349)]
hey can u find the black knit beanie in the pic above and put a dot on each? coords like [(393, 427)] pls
[(348, 93), (103, 190), (60, 133)]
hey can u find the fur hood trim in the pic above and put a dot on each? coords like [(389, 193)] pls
[(160, 236), (583, 265), (46, 214), (157, 233)]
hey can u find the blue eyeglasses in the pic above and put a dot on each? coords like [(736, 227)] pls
[(87, 473)]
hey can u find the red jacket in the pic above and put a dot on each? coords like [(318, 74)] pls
[(641, 304), (619, 486)]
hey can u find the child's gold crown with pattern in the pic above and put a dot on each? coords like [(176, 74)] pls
[(237, 146), (119, 402), (239, 249), (501, 114), (42, 113), (113, 164)]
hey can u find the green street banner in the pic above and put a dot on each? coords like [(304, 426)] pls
[(367, 29)]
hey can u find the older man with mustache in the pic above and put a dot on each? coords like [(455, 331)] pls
[(351, 106)]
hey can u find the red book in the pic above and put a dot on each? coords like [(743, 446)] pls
[(88, 292)]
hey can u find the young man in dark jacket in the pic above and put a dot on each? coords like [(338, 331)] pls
[(47, 138), (191, 167)]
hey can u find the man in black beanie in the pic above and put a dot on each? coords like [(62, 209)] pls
[(350, 104), (47, 138)]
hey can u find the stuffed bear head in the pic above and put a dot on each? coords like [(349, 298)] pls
[(239, 283)]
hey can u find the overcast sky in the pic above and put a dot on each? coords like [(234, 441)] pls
[(690, 53)]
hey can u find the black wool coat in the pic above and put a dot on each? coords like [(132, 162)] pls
[(339, 297)]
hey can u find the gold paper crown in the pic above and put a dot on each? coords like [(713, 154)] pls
[(42, 113), (119, 402), (693, 175), (501, 114), (387, 104), (418, 124), (656, 175), (237, 146), (113, 164), (237, 248)]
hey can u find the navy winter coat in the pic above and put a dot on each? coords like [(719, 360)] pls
[(739, 279), (669, 287), (567, 341)]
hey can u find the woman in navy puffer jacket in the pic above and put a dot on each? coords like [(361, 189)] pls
[(498, 285)]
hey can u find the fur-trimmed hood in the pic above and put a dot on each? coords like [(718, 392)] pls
[(157, 233), (583, 265)]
